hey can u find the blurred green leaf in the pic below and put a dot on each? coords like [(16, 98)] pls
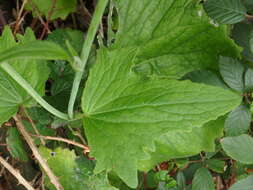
[(241, 35), (245, 184), (238, 121), (15, 145), (225, 11), (203, 180), (249, 80), (216, 165), (232, 73), (239, 148), (181, 182), (61, 8)]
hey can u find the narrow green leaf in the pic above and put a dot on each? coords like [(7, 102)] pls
[(232, 73), (216, 165), (238, 121), (15, 145), (226, 11), (40, 50), (239, 148), (244, 184), (203, 180)]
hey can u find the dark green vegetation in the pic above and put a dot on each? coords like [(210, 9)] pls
[(155, 95)]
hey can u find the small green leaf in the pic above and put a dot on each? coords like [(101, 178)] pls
[(226, 11), (203, 180), (74, 173), (60, 36), (15, 145), (206, 77), (60, 9), (249, 80), (244, 184), (238, 121), (239, 148), (241, 35), (216, 165), (232, 73)]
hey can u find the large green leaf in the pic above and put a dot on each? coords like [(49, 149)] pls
[(239, 148), (125, 113), (74, 173), (175, 39), (35, 72), (226, 11), (244, 184), (60, 9)]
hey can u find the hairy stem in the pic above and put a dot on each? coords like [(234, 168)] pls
[(16, 174), (43, 163), (29, 89), (85, 52)]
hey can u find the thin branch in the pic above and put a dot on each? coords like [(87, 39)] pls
[(19, 19), (86, 148), (16, 174), (36, 154)]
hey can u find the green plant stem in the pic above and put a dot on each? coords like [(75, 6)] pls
[(85, 53), (29, 89)]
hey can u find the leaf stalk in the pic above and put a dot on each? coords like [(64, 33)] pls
[(30, 90), (85, 53)]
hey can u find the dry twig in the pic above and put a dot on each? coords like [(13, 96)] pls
[(86, 148), (16, 174), (36, 154)]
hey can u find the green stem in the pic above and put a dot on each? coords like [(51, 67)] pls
[(29, 89), (85, 52)]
